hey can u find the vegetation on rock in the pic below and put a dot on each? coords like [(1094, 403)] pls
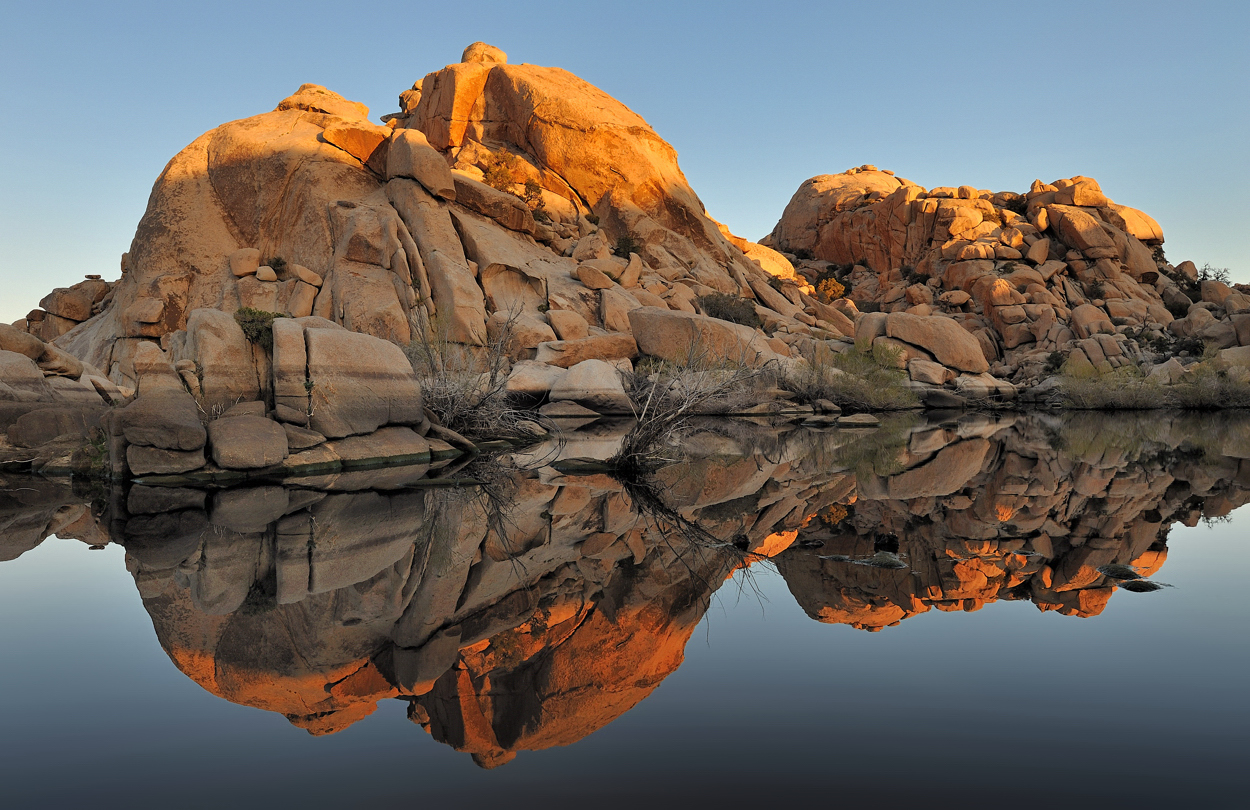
[(730, 308), (257, 325)]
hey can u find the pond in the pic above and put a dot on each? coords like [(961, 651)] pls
[(1027, 609)]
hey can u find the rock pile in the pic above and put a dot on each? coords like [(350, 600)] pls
[(1058, 274)]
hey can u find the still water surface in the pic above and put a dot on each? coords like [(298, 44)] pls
[(847, 617)]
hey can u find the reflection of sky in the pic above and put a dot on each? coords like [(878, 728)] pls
[(1145, 704)]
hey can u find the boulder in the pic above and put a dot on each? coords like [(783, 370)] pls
[(223, 357), (21, 380), (166, 419), (359, 383), (244, 262), (481, 52), (566, 353), (594, 384), (298, 438), (567, 324), (156, 461), (926, 371), (364, 141), (395, 445), (412, 156), (673, 335), (507, 209), (527, 333), (14, 340), (614, 308), (460, 302), (246, 442), (532, 378), (948, 342), (1088, 319)]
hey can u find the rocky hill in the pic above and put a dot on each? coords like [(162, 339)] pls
[(1057, 275)]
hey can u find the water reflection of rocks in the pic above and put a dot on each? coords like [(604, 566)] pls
[(535, 630)]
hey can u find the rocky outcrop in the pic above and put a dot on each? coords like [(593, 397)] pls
[(1060, 271), (497, 188)]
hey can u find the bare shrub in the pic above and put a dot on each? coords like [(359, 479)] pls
[(730, 308), (466, 386), (668, 395)]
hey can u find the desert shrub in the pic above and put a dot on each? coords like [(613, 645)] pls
[(667, 395), (1209, 273), (277, 263), (861, 379), (1209, 386), (257, 325), (500, 170), (465, 386), (729, 308), (830, 289), (1178, 308), (1054, 362), (1094, 289), (802, 254), (868, 306), (592, 218), (626, 245)]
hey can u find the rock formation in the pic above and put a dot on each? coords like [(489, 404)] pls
[(1059, 274), (498, 190)]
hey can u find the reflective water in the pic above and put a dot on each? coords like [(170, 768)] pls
[(557, 637)]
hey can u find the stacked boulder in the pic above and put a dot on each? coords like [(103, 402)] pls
[(322, 399), (64, 308), (1058, 274)]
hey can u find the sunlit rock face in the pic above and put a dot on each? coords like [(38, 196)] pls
[(485, 192), (533, 613)]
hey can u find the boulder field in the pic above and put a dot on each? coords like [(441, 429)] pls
[(521, 198)]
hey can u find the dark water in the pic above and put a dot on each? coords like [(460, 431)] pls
[(560, 639)]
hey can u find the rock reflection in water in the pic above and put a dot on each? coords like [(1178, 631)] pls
[(533, 625)]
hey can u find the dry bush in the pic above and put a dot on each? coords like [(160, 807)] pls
[(668, 395), (465, 386)]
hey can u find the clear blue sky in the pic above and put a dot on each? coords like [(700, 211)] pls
[(1150, 98)]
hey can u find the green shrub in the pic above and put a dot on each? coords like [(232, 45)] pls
[(626, 245), (1054, 362), (500, 170), (729, 308), (592, 218), (1208, 386), (861, 379), (257, 325)]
